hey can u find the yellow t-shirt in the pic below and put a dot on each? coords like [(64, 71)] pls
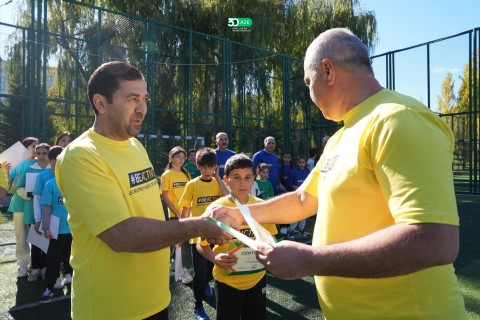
[(389, 164), (241, 280), (198, 195), (3, 180), (104, 182), (174, 182)]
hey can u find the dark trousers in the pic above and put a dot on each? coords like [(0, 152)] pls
[(58, 252), (203, 274), (38, 257), (234, 304)]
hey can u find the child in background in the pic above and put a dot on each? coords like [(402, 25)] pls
[(265, 186), (198, 194), (37, 256), (58, 249), (172, 186), (285, 172), (17, 206), (241, 287), (299, 174), (191, 165)]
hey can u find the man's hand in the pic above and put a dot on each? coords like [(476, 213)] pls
[(273, 257), (213, 233), (227, 215)]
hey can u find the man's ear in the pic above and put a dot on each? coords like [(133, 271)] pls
[(99, 102), (328, 68)]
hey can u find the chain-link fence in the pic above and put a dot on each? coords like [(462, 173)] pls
[(202, 84), (444, 75), (199, 84)]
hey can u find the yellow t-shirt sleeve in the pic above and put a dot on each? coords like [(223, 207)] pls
[(108, 202), (406, 184)]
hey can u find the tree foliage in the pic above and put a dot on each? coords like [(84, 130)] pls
[(202, 83)]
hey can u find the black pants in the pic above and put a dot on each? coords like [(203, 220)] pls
[(234, 304), (58, 252), (38, 257), (203, 274)]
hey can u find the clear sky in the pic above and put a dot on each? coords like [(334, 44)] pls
[(405, 23)]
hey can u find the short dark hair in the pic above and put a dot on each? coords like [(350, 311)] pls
[(63, 134), (192, 150), (105, 80), (28, 141), (238, 161), (312, 152), (206, 157), (42, 145), (54, 152)]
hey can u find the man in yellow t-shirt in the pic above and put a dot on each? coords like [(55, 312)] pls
[(386, 231), (120, 249), (240, 279)]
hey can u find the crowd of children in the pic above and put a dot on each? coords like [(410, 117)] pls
[(35, 200), (189, 184)]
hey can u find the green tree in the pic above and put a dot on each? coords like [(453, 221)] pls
[(447, 101)]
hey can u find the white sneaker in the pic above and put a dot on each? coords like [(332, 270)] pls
[(22, 271), (34, 275), (186, 277), (67, 279), (58, 284)]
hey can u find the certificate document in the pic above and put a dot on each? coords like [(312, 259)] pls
[(247, 262)]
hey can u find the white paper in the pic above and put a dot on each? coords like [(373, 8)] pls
[(54, 225), (261, 234), (31, 178), (15, 154), (246, 260), (237, 234), (39, 240), (178, 263)]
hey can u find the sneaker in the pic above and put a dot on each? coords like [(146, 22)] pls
[(200, 314), (291, 235), (209, 291), (22, 271), (186, 277), (46, 296), (34, 275), (58, 284), (68, 279)]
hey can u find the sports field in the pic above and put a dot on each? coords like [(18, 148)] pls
[(286, 299)]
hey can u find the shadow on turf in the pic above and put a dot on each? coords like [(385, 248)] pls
[(27, 305)]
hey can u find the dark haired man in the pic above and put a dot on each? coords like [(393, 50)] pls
[(120, 248)]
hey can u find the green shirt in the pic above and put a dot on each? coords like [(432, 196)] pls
[(192, 169)]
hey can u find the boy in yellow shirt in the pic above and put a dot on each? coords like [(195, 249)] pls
[(198, 194), (240, 280)]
